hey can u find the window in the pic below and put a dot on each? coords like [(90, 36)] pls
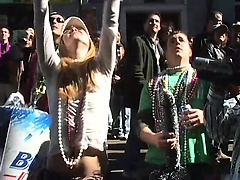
[(237, 10)]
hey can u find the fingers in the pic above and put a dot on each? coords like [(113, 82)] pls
[(168, 144), (192, 118), (190, 121), (192, 112), (186, 117), (166, 141), (192, 124), (175, 144), (167, 135)]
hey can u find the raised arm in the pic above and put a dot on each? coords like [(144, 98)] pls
[(107, 46), (47, 55), (221, 117)]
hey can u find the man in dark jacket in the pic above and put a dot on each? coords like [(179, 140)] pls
[(145, 59)]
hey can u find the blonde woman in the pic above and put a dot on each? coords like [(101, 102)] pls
[(78, 88)]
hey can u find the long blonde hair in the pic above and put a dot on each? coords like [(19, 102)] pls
[(77, 77)]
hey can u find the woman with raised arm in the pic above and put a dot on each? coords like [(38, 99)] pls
[(78, 87)]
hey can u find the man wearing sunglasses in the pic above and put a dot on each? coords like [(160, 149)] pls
[(57, 21)]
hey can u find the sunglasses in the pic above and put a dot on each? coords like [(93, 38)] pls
[(58, 20), (4, 32), (31, 37)]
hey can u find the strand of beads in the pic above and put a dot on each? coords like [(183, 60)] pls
[(82, 115), (156, 115), (74, 110), (176, 67), (185, 147), (191, 87), (179, 86), (157, 109), (70, 161)]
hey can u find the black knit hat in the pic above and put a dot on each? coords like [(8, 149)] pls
[(56, 13)]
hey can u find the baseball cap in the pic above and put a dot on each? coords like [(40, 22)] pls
[(236, 24), (75, 21), (220, 27)]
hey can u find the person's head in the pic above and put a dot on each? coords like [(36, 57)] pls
[(120, 51), (178, 50), (30, 38), (75, 40), (5, 35), (152, 24), (56, 22), (166, 29), (220, 34), (214, 18), (77, 53), (235, 34), (120, 48), (119, 38), (190, 39)]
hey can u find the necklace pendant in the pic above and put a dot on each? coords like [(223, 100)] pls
[(71, 167), (71, 163)]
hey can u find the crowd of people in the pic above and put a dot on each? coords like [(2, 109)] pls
[(96, 87)]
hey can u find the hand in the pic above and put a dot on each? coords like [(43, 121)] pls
[(192, 118), (165, 141), (116, 78)]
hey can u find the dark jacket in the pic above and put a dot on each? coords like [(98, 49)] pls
[(141, 66), (9, 67), (218, 53), (213, 51)]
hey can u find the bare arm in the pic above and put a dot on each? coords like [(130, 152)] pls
[(147, 136), (48, 57), (145, 125)]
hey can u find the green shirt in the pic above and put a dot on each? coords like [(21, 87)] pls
[(197, 139)]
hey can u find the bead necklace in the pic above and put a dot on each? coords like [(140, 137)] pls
[(75, 129), (159, 109), (186, 97), (176, 67), (187, 90), (179, 87)]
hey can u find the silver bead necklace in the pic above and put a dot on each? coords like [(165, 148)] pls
[(176, 67), (74, 116)]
